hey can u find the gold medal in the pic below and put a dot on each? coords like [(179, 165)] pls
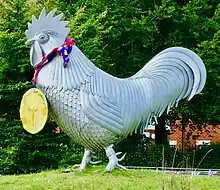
[(33, 110)]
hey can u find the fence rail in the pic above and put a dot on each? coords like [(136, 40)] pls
[(186, 171)]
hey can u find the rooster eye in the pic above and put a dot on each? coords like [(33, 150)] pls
[(43, 38)]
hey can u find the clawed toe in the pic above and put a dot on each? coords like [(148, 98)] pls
[(121, 167), (95, 162), (122, 158)]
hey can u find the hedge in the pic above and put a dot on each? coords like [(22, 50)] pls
[(32, 153)]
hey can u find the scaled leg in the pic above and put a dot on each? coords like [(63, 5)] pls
[(86, 159), (113, 160)]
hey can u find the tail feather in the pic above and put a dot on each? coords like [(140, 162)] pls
[(177, 60), (174, 74), (199, 72)]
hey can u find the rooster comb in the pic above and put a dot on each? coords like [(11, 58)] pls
[(47, 23)]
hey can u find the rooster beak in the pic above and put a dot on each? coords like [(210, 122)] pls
[(28, 42)]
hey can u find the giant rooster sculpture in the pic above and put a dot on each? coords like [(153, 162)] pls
[(96, 109)]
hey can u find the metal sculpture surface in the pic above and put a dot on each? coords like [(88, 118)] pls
[(96, 109)]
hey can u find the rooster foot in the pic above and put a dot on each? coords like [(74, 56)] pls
[(113, 160), (87, 159)]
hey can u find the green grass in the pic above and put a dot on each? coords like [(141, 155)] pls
[(96, 179)]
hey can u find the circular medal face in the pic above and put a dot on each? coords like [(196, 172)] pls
[(33, 110)]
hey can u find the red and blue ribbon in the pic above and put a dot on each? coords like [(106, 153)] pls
[(64, 50)]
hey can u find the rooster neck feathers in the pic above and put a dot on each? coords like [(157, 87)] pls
[(46, 33), (78, 71)]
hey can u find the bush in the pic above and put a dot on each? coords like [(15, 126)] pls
[(141, 152), (21, 152), (8, 163), (212, 160)]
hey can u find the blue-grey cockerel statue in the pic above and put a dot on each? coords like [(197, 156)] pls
[(96, 109)]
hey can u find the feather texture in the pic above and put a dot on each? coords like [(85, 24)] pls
[(97, 109)]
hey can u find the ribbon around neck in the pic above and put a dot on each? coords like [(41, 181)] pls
[(64, 50)]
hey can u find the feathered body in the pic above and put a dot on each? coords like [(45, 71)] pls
[(97, 109)]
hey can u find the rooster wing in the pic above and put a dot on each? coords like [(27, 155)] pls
[(127, 105)]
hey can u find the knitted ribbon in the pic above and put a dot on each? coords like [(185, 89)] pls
[(64, 50)]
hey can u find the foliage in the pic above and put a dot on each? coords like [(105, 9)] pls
[(119, 37), (153, 155)]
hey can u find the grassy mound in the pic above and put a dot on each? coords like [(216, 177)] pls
[(95, 178)]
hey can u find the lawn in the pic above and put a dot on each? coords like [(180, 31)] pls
[(96, 179)]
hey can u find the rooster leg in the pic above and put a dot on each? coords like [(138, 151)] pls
[(86, 159), (113, 160)]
